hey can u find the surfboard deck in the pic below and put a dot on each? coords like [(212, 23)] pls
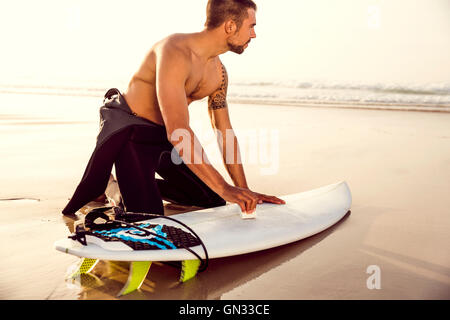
[(225, 233)]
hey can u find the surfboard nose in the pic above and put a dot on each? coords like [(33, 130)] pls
[(346, 190)]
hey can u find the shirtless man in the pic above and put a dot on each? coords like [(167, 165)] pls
[(140, 129), (183, 68)]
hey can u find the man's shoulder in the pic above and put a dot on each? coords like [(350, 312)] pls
[(172, 46)]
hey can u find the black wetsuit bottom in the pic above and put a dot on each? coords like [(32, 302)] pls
[(139, 149), (145, 152)]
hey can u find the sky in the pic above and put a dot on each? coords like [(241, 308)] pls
[(393, 41)]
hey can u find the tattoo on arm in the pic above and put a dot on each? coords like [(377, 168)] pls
[(218, 99)]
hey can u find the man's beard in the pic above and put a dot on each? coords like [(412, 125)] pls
[(235, 48)]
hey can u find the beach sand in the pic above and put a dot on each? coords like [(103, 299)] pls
[(396, 163)]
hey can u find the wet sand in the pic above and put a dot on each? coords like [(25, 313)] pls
[(396, 163)]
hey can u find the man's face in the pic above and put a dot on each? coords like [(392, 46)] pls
[(239, 41)]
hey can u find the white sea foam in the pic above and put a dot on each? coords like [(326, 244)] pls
[(431, 95), (363, 93)]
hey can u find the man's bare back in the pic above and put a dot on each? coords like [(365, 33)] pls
[(205, 77)]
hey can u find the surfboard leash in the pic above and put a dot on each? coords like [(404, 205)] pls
[(129, 219)]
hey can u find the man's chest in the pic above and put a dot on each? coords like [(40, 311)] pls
[(202, 82)]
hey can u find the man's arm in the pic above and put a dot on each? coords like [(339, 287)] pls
[(172, 70), (228, 143), (220, 120)]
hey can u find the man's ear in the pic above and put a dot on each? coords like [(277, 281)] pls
[(230, 27)]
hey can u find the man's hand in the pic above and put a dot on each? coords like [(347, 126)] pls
[(247, 199)]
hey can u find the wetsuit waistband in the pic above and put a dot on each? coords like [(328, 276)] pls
[(122, 103)]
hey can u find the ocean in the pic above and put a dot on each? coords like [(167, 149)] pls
[(422, 97)]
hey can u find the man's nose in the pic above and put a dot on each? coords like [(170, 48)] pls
[(253, 34)]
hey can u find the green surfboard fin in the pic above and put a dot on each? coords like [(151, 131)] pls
[(84, 267), (189, 269), (138, 272)]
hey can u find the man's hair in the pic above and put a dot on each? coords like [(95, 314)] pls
[(218, 11)]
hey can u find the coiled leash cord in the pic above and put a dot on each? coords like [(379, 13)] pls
[(120, 218)]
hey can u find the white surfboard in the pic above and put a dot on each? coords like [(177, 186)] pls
[(225, 233)]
